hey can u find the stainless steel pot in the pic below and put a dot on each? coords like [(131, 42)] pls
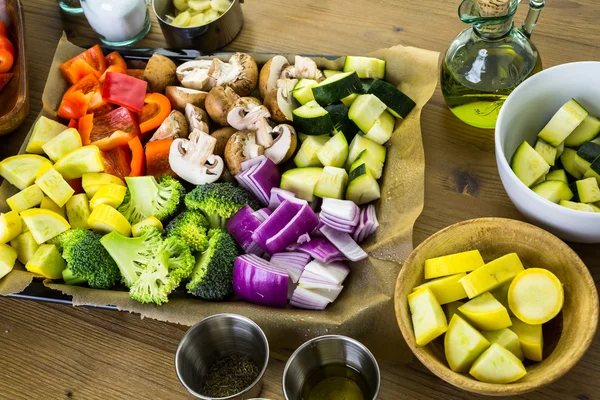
[(325, 350), (206, 38), (216, 337)]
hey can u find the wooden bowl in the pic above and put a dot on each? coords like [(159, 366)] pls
[(14, 98), (566, 337)]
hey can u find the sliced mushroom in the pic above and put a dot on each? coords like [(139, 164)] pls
[(193, 159), (270, 73), (181, 96), (247, 113), (194, 75), (197, 118), (280, 101), (222, 135), (306, 68), (240, 73), (284, 144), (218, 102), (175, 126), (241, 146)]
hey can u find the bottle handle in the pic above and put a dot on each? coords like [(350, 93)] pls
[(535, 9)]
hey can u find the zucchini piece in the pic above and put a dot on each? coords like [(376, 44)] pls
[(25, 245), (547, 152), (339, 117), (307, 155), (78, 211), (557, 175), (576, 206), (47, 262), (332, 183), (330, 72), (26, 198), (80, 161), (348, 100), (303, 90), (383, 128), (573, 188), (399, 104), (336, 87), (588, 190), (374, 166), (335, 151), (362, 187), (366, 85), (590, 173), (586, 131), (312, 119), (542, 179), (62, 144), (301, 181), (365, 110), (302, 136), (559, 150), (554, 191), (360, 143), (528, 165), (597, 140), (365, 67), (48, 204), (581, 164), (594, 207), (589, 151), (568, 161), (563, 123)]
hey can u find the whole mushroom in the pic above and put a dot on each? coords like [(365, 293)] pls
[(241, 147), (222, 135), (270, 73), (174, 126), (218, 102), (240, 73), (195, 75), (193, 159)]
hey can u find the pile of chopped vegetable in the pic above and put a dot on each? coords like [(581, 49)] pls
[(173, 178)]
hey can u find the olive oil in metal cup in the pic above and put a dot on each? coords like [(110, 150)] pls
[(206, 38), (324, 356), (217, 337)]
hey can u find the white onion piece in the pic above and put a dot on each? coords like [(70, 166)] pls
[(334, 272)]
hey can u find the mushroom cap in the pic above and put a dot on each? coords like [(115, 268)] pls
[(222, 135), (194, 75), (217, 103), (284, 144), (180, 96), (174, 126), (160, 72), (240, 147), (245, 112), (270, 73), (240, 73)]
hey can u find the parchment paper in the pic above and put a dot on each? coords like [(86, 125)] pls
[(364, 310)]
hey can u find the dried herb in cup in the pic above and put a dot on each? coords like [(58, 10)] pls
[(229, 376)]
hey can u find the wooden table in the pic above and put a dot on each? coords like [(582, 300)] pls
[(53, 351)]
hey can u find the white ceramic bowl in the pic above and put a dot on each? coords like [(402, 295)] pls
[(525, 112)]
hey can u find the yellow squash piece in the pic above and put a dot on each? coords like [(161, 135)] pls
[(43, 169), (463, 344), (25, 245), (26, 198), (80, 161), (48, 204), (485, 312), (55, 186), (47, 262), (498, 365), (78, 211), (501, 294), (10, 226), (492, 275), (453, 264), (446, 289), (452, 308), (507, 339), (106, 219), (110, 194), (64, 143), (137, 229), (93, 181), (536, 296), (8, 257), (44, 224), (531, 338), (44, 130), (428, 317), (20, 170)]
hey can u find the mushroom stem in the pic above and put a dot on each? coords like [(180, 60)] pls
[(264, 133), (199, 147)]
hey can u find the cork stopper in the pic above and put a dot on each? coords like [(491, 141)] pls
[(493, 8)]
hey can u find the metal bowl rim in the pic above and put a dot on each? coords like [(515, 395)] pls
[(163, 20)]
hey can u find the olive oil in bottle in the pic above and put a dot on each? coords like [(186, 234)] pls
[(335, 382)]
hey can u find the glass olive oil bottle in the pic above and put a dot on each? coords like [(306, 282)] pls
[(488, 60)]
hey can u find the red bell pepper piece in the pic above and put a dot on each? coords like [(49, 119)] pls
[(73, 124), (76, 185), (4, 79), (82, 98), (78, 67), (137, 157), (157, 158), (156, 109), (114, 129), (125, 91), (117, 162)]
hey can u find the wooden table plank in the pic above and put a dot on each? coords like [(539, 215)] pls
[(51, 351)]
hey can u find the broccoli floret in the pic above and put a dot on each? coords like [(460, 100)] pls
[(146, 198), (181, 259), (219, 201), (155, 282), (190, 226), (87, 260), (213, 274)]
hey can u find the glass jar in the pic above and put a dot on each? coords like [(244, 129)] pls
[(118, 22), (70, 6)]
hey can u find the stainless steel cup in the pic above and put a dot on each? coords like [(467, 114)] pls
[(216, 337), (206, 38), (325, 350)]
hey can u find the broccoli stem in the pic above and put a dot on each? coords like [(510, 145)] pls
[(216, 221), (71, 279)]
